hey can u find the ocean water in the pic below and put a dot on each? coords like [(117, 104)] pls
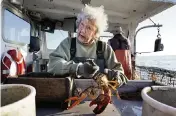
[(165, 61)]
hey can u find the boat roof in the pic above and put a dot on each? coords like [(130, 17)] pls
[(119, 11)]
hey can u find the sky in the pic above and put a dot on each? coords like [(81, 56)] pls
[(146, 37)]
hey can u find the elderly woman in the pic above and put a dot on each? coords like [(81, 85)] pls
[(71, 55)]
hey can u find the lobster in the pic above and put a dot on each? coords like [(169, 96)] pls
[(103, 99)]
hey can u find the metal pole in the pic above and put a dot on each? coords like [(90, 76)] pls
[(144, 27)]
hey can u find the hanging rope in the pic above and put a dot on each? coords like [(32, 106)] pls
[(158, 35)]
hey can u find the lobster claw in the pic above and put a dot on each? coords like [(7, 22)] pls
[(76, 99), (101, 101)]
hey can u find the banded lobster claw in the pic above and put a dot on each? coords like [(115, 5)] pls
[(101, 101)]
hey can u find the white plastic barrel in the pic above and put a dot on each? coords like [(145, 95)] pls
[(159, 101), (18, 100)]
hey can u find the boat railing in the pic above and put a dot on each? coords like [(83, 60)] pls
[(164, 76)]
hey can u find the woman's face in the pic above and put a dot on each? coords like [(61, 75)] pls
[(87, 31)]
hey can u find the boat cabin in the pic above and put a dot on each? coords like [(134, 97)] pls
[(32, 29)]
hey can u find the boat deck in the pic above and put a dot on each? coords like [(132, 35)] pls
[(117, 108), (129, 105), (51, 91)]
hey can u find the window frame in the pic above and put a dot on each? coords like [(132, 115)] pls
[(17, 13)]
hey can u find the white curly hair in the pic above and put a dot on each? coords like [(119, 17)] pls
[(97, 14)]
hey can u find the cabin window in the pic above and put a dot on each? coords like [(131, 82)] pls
[(54, 39), (15, 29), (105, 36)]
